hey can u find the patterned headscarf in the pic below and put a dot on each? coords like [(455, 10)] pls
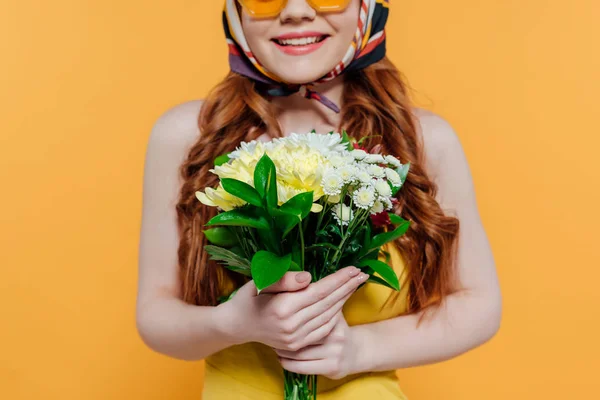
[(367, 47)]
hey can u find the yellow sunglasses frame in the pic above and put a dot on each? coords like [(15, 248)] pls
[(342, 4)]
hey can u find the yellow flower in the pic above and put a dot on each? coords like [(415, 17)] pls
[(219, 198), (299, 169)]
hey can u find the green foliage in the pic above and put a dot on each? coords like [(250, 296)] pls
[(384, 270), (229, 259), (222, 159), (383, 238), (265, 180), (396, 219), (240, 217), (267, 268), (221, 236), (242, 190)]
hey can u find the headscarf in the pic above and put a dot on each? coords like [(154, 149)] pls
[(367, 47)]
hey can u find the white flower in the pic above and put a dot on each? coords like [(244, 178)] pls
[(342, 214), (334, 199), (247, 151), (336, 159), (324, 143), (374, 159), (347, 173), (377, 207), (387, 202), (348, 158), (393, 160), (393, 177), (332, 183), (376, 171), (358, 154), (363, 176), (364, 197), (382, 187)]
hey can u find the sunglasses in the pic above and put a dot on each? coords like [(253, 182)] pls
[(272, 8)]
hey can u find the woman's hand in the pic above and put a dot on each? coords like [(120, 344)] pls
[(298, 315), (335, 357)]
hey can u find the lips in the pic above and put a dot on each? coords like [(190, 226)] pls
[(300, 43)]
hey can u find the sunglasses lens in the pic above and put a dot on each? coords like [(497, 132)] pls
[(329, 5), (263, 8)]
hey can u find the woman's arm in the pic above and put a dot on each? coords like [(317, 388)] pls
[(467, 319), (464, 321), (165, 323), (305, 313)]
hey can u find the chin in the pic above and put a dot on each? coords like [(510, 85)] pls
[(300, 73)]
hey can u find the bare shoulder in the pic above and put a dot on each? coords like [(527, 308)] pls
[(440, 140), (168, 144), (177, 127), (445, 159)]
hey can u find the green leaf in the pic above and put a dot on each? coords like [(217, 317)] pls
[(396, 219), (387, 255), (265, 180), (224, 299), (367, 237), (360, 142), (403, 172), (285, 221), (231, 260), (267, 268), (331, 229), (313, 131), (299, 205), (322, 246), (346, 139), (384, 270), (239, 217), (383, 238), (242, 190), (221, 236), (222, 159), (295, 267), (353, 246), (378, 280)]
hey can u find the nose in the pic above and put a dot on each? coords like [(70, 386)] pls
[(297, 11)]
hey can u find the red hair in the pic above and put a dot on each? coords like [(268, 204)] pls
[(375, 101)]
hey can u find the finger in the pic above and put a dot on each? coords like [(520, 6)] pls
[(321, 306), (324, 317), (312, 367), (324, 287), (314, 352), (320, 333), (248, 289), (290, 282)]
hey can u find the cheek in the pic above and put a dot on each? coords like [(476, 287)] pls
[(255, 31)]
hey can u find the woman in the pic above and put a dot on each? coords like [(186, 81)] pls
[(292, 71)]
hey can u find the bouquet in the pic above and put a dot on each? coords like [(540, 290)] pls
[(305, 202)]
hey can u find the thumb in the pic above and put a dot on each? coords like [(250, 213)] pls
[(248, 289), (290, 282)]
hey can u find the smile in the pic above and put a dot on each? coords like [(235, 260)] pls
[(300, 43)]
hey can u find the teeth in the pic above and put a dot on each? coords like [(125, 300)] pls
[(298, 41)]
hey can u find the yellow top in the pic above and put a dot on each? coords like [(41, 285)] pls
[(251, 371)]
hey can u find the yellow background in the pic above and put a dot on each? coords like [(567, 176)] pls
[(82, 82)]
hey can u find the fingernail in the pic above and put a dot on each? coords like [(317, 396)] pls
[(353, 271), (303, 277), (363, 277)]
